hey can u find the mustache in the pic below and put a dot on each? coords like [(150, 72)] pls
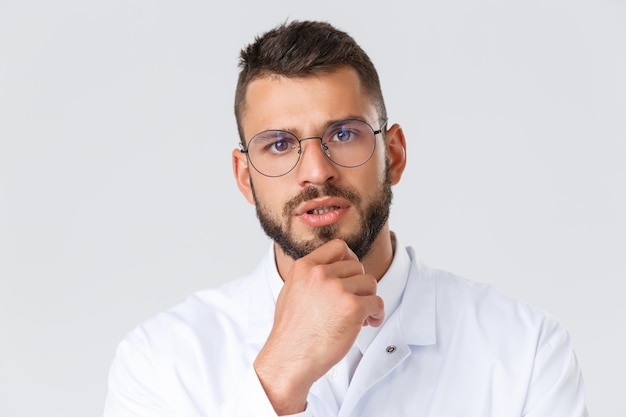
[(327, 190)]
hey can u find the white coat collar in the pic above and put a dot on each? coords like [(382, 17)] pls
[(416, 311)]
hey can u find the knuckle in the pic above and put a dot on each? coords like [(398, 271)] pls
[(373, 284), (352, 305), (380, 303), (317, 273), (369, 285)]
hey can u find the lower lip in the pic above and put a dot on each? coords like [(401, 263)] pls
[(324, 219)]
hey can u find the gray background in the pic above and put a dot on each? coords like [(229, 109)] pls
[(117, 198)]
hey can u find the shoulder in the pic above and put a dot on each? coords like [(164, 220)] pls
[(202, 318), (175, 358), (462, 303), (462, 293)]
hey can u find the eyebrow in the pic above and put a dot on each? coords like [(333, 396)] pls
[(296, 131)]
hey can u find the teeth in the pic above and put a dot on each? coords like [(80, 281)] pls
[(323, 210)]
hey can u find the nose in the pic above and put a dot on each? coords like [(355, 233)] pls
[(315, 166)]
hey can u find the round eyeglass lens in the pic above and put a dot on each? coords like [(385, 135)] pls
[(274, 152), (349, 143)]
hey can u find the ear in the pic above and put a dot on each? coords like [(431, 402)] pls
[(242, 174), (396, 150)]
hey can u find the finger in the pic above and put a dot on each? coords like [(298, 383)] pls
[(361, 285), (321, 262), (344, 269), (332, 251), (374, 308)]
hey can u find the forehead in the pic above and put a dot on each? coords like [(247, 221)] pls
[(305, 104)]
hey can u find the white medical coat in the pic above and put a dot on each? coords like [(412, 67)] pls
[(458, 348)]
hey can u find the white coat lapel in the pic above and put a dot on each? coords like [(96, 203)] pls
[(386, 352), (412, 324)]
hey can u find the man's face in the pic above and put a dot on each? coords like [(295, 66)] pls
[(318, 200)]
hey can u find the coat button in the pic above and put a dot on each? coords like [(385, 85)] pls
[(390, 349)]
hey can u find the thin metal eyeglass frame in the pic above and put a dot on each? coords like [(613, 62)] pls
[(322, 144)]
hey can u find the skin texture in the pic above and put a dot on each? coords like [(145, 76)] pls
[(373, 217), (329, 293)]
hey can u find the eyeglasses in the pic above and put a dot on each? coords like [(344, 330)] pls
[(348, 143)]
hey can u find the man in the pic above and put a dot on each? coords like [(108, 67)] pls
[(339, 319)]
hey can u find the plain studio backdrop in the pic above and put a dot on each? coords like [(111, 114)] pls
[(117, 198)]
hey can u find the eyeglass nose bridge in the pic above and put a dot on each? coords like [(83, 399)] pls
[(322, 144)]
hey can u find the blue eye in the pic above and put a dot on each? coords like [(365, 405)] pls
[(344, 135), (348, 132), (281, 145), (275, 143)]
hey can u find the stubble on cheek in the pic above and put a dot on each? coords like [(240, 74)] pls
[(279, 225)]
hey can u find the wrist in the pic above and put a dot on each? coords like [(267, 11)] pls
[(287, 392)]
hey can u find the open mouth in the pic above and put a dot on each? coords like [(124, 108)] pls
[(322, 210)]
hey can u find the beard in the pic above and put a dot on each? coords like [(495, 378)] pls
[(373, 217)]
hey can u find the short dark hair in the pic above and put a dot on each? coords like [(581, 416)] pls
[(300, 49)]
